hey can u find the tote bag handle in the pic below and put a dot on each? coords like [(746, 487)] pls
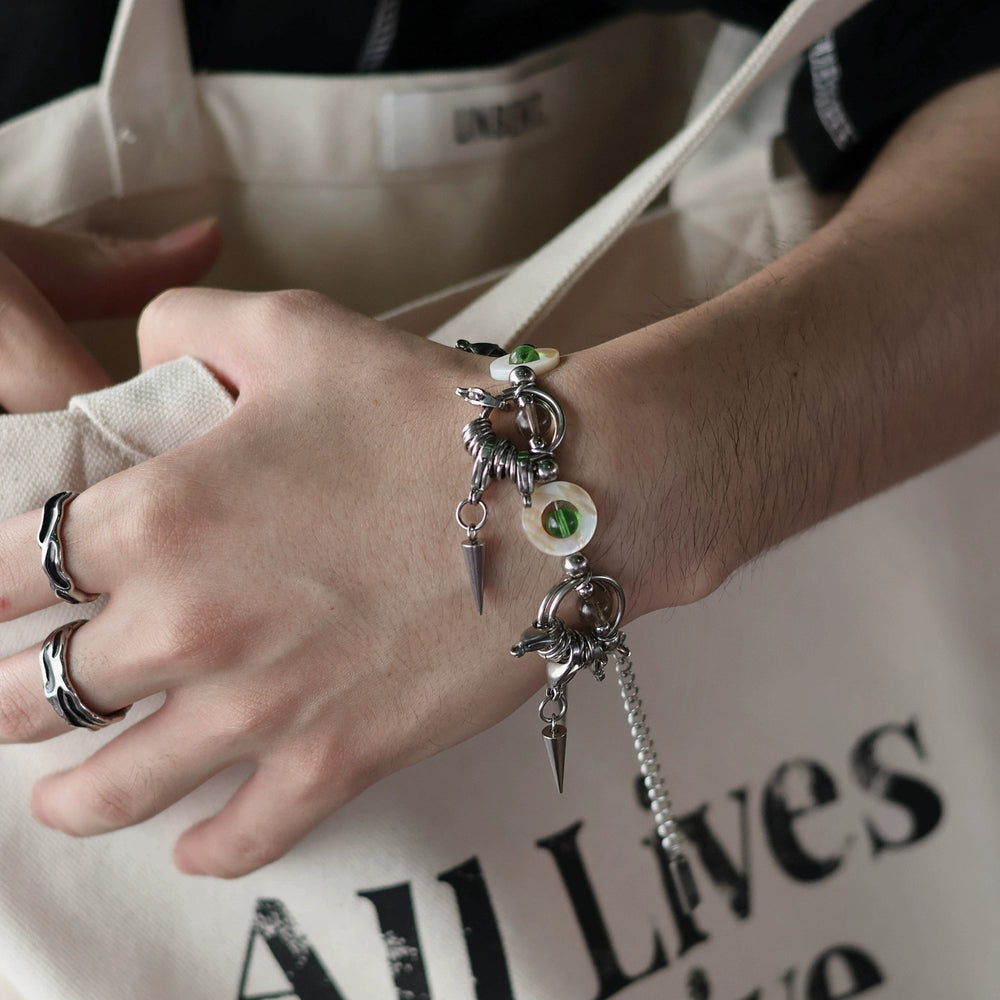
[(528, 292)]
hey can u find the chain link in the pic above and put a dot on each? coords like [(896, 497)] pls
[(645, 752)]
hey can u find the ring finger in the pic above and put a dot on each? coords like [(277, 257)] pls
[(105, 676)]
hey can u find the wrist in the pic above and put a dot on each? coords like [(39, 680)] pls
[(630, 447)]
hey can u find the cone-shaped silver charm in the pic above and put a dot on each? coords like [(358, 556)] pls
[(554, 735), (475, 559)]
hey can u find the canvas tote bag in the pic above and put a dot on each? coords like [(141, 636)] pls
[(826, 721)]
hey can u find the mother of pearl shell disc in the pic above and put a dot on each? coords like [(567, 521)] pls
[(533, 518), (548, 358)]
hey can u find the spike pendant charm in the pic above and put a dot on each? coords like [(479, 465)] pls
[(554, 735), (475, 560)]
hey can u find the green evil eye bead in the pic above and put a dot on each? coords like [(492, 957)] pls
[(561, 520), (524, 354), (539, 359)]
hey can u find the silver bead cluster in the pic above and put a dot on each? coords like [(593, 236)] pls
[(568, 650), (495, 457)]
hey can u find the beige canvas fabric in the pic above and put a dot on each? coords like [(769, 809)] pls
[(324, 182), (827, 721)]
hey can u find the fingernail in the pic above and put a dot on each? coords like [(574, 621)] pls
[(186, 236)]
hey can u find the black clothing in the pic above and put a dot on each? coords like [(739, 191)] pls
[(894, 55), (850, 94)]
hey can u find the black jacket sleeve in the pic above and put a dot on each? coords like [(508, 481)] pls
[(860, 82)]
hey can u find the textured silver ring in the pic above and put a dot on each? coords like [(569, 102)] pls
[(59, 689), (50, 541)]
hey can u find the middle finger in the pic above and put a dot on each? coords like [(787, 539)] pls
[(24, 587)]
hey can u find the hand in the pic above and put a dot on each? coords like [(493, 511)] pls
[(49, 278), (293, 581)]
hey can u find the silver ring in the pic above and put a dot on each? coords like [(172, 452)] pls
[(59, 690), (50, 541)]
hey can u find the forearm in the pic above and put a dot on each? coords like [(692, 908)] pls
[(865, 355)]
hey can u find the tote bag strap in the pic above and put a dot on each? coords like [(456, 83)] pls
[(148, 99), (534, 287)]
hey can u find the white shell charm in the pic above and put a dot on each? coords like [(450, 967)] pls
[(561, 520), (539, 359)]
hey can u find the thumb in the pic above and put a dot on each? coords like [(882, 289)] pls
[(86, 276)]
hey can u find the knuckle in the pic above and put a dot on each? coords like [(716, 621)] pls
[(253, 712), (167, 524), (194, 631), (332, 770), (288, 310), (298, 301), (161, 513), (140, 504), (315, 776), (102, 803), (157, 314)]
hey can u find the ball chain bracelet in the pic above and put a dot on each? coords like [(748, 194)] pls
[(559, 518)]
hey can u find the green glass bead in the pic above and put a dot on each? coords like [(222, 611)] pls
[(560, 519), (524, 355)]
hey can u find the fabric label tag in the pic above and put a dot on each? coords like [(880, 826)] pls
[(438, 127)]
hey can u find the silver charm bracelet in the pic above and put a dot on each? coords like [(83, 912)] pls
[(559, 518)]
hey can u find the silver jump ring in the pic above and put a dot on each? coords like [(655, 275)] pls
[(556, 703), (59, 690), (50, 541), (471, 503)]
